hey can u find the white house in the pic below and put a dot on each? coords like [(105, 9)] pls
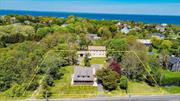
[(97, 51), (64, 25), (145, 41), (125, 30)]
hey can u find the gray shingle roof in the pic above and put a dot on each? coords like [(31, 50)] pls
[(83, 74), (174, 60)]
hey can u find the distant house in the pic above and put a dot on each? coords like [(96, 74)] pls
[(64, 25), (13, 20), (158, 35), (97, 51), (125, 30), (145, 41), (93, 37), (27, 22), (85, 75), (136, 28), (174, 63), (161, 27)]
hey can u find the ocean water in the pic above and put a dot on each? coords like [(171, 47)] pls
[(151, 19)]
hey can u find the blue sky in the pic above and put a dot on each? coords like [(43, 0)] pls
[(152, 7)]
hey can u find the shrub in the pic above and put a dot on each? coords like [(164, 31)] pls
[(33, 86), (123, 82), (46, 93), (49, 80), (170, 78)]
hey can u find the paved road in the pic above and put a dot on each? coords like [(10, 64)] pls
[(133, 98)]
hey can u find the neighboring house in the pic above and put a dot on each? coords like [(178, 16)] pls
[(125, 30), (158, 35), (85, 75), (97, 51), (13, 20), (136, 28), (27, 22), (93, 37), (174, 63), (145, 41), (161, 27), (2, 17)]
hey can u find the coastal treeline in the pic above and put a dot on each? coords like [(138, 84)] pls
[(36, 46)]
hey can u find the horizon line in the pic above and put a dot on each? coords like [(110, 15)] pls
[(90, 12)]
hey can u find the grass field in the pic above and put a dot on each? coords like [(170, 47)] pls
[(63, 87), (172, 89), (169, 74), (98, 60), (141, 88)]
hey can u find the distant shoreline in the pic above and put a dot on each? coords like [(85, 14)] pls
[(151, 19)]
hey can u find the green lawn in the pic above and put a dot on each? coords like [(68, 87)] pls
[(117, 92), (172, 89), (98, 60), (63, 87), (141, 88), (170, 74)]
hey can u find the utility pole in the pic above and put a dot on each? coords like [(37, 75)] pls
[(46, 97), (129, 95)]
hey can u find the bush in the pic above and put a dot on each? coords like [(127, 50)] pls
[(46, 93), (123, 82), (16, 91), (33, 86), (170, 78), (49, 80)]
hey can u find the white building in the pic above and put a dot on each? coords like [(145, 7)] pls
[(93, 51), (125, 30), (145, 41), (97, 51), (64, 25)]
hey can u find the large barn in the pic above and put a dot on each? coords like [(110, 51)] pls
[(97, 51), (93, 51)]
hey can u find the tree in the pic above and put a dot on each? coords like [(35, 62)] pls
[(108, 77), (115, 66), (115, 48), (87, 60), (104, 32), (164, 58), (124, 83), (156, 42), (166, 44), (133, 62)]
